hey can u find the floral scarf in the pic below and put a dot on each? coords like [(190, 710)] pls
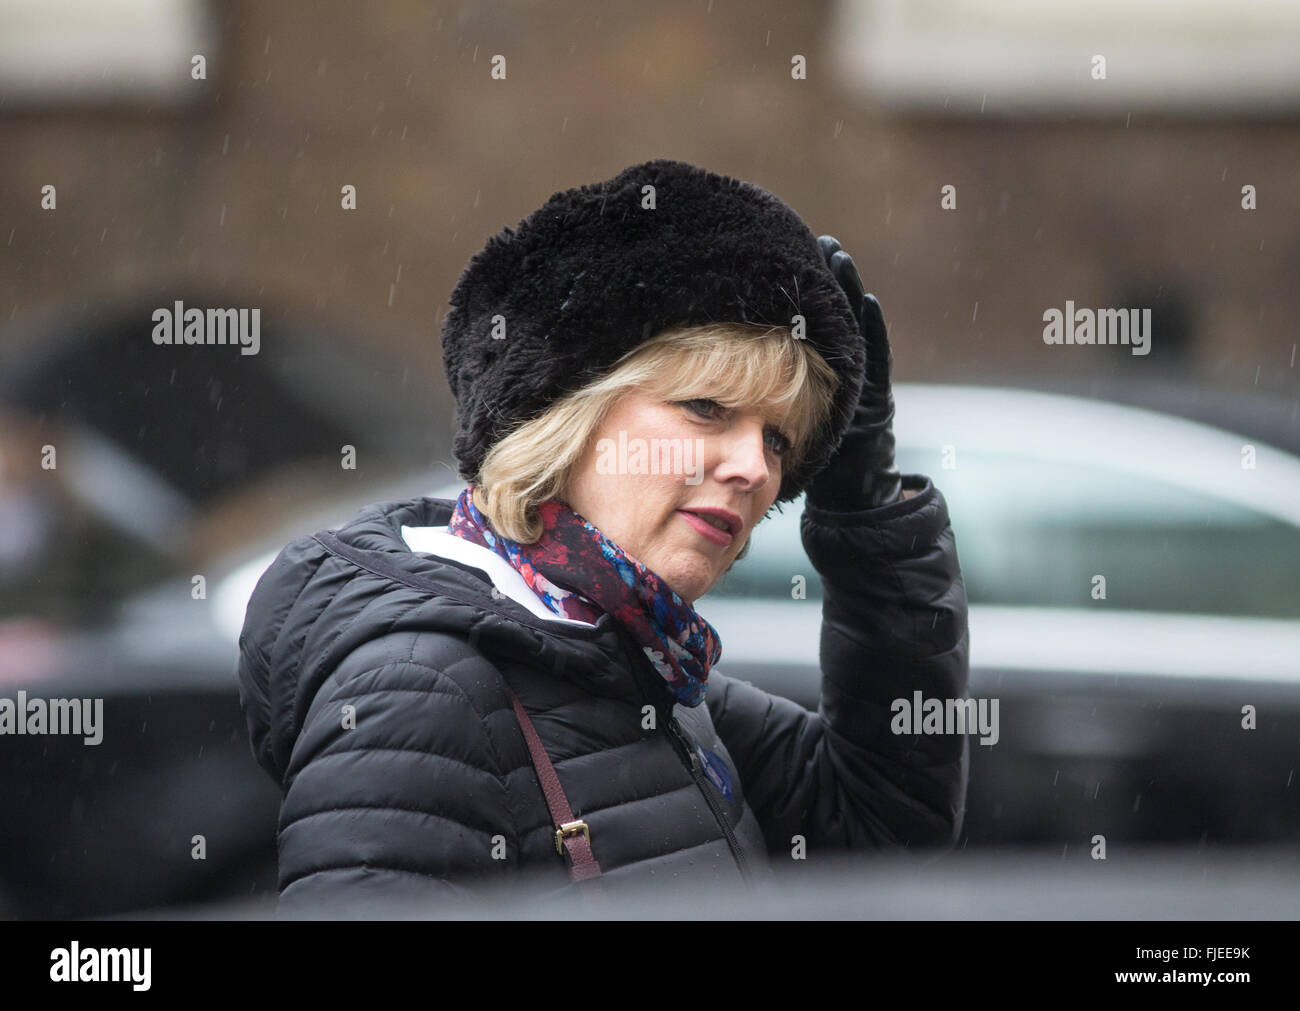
[(571, 552)]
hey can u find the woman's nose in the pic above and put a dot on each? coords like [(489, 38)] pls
[(744, 454)]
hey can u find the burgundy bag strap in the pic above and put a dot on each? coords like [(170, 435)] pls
[(571, 834)]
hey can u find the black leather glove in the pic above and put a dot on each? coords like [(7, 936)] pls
[(862, 474)]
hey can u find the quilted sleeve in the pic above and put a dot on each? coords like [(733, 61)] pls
[(893, 623), (394, 796)]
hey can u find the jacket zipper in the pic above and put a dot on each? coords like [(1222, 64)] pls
[(704, 786), (688, 753)]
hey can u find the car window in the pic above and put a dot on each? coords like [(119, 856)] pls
[(1036, 533)]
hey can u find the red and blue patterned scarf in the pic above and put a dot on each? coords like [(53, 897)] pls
[(571, 552)]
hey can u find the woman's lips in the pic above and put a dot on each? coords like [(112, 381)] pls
[(707, 529)]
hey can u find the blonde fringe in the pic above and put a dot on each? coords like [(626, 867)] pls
[(735, 364)]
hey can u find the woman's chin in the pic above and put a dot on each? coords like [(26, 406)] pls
[(690, 586), (689, 571)]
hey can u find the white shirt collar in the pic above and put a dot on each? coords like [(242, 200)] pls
[(444, 544)]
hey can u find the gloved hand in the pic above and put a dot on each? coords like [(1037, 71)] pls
[(862, 474)]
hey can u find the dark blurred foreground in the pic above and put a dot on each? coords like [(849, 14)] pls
[(1145, 884)]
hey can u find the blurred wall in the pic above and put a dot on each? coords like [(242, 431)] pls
[(241, 188)]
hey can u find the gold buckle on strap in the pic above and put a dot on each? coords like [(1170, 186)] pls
[(570, 828)]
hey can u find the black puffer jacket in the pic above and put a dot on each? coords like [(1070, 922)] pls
[(425, 788)]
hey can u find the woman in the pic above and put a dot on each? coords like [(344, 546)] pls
[(515, 685)]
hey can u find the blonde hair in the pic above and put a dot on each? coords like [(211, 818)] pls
[(734, 364)]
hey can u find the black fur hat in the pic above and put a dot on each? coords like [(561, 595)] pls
[(595, 271)]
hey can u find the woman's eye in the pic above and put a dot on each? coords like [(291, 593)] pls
[(704, 406), (694, 405), (782, 443)]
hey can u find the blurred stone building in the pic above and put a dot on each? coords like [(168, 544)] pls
[(233, 182)]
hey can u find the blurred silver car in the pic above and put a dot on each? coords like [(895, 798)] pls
[(1134, 590)]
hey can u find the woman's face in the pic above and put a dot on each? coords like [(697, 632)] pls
[(691, 455)]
